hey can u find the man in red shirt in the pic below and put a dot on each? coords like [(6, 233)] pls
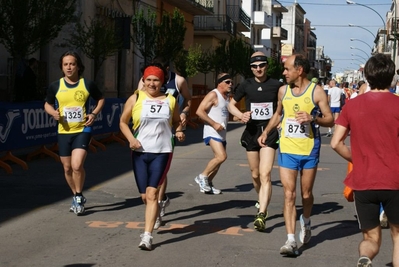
[(373, 122)]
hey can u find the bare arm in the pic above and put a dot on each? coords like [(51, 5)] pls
[(183, 88), (244, 117), (124, 122), (338, 142), (321, 101), (55, 113), (203, 110), (90, 118), (275, 120), (176, 122)]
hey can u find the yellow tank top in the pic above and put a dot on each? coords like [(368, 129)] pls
[(72, 107), (296, 138)]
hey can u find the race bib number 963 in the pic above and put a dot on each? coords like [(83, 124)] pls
[(262, 111)]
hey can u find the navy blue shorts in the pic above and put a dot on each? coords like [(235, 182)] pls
[(150, 169), (69, 142), (335, 110)]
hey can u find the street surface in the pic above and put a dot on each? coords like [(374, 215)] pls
[(37, 229)]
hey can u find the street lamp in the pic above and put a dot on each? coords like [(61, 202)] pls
[(352, 25), (354, 39), (354, 3), (360, 50), (359, 56), (349, 2)]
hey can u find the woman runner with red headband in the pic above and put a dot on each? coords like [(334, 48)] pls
[(151, 141)]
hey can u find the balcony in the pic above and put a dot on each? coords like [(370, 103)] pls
[(238, 15), (279, 8), (194, 7), (261, 20), (279, 33), (221, 26)]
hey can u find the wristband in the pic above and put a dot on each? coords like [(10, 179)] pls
[(185, 113), (94, 114), (182, 131)]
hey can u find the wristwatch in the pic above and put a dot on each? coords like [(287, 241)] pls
[(314, 118)]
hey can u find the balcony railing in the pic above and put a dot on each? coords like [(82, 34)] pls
[(279, 33), (215, 23), (195, 7), (236, 13)]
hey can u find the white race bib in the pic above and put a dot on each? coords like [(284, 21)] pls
[(73, 114), (294, 129), (262, 111), (155, 109)]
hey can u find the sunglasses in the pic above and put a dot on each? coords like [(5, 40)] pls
[(261, 65), (228, 82)]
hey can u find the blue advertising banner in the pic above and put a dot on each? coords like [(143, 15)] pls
[(27, 124)]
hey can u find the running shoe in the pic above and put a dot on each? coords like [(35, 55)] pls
[(329, 134), (289, 249), (364, 262), (260, 221), (73, 205), (214, 190), (146, 242), (203, 184), (158, 222), (383, 220), (79, 205), (163, 204), (257, 205), (305, 234)]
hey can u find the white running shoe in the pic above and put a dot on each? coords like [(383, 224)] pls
[(305, 234), (146, 242), (289, 249), (162, 205), (383, 220), (158, 222), (203, 184), (214, 190)]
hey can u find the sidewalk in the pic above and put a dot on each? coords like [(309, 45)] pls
[(198, 230)]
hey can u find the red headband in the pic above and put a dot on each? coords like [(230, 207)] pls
[(152, 70)]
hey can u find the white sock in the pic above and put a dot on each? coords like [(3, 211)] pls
[(202, 176), (147, 233), (305, 220), (291, 237)]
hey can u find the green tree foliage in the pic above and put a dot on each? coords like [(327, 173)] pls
[(165, 39), (275, 68), (27, 25), (97, 40), (232, 56), (145, 33), (186, 62), (170, 35)]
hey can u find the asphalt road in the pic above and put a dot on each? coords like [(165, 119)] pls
[(37, 229)]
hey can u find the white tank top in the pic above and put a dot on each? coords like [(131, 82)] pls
[(219, 114)]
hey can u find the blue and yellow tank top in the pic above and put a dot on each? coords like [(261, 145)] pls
[(296, 138), (72, 105)]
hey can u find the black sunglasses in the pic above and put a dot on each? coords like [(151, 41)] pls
[(261, 65), (228, 82)]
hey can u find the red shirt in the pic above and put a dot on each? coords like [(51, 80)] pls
[(373, 121)]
